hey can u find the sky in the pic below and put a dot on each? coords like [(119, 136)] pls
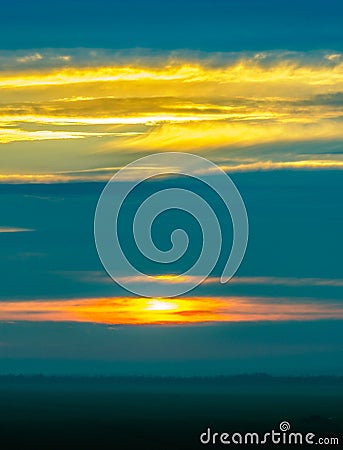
[(257, 88)]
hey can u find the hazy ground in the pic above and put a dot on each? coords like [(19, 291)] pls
[(160, 414)]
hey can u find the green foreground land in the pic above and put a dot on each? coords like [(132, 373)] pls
[(161, 413)]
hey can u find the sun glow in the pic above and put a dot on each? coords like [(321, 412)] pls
[(161, 305)]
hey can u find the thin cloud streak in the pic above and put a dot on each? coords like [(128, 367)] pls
[(100, 277), (15, 230), (105, 174)]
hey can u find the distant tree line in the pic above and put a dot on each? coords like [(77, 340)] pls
[(252, 378)]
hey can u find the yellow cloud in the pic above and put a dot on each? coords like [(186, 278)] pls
[(18, 135), (225, 134), (242, 72), (149, 105)]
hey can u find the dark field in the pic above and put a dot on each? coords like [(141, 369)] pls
[(117, 413)]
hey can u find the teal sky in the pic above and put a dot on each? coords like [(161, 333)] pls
[(200, 25), (87, 88)]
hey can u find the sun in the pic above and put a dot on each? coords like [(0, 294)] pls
[(160, 305)]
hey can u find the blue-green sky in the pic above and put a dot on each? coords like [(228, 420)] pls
[(85, 88), (222, 25)]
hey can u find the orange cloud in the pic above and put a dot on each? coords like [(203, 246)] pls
[(140, 311)]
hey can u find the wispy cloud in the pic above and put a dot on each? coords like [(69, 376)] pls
[(29, 58)]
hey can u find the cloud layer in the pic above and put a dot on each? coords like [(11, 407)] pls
[(90, 110)]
